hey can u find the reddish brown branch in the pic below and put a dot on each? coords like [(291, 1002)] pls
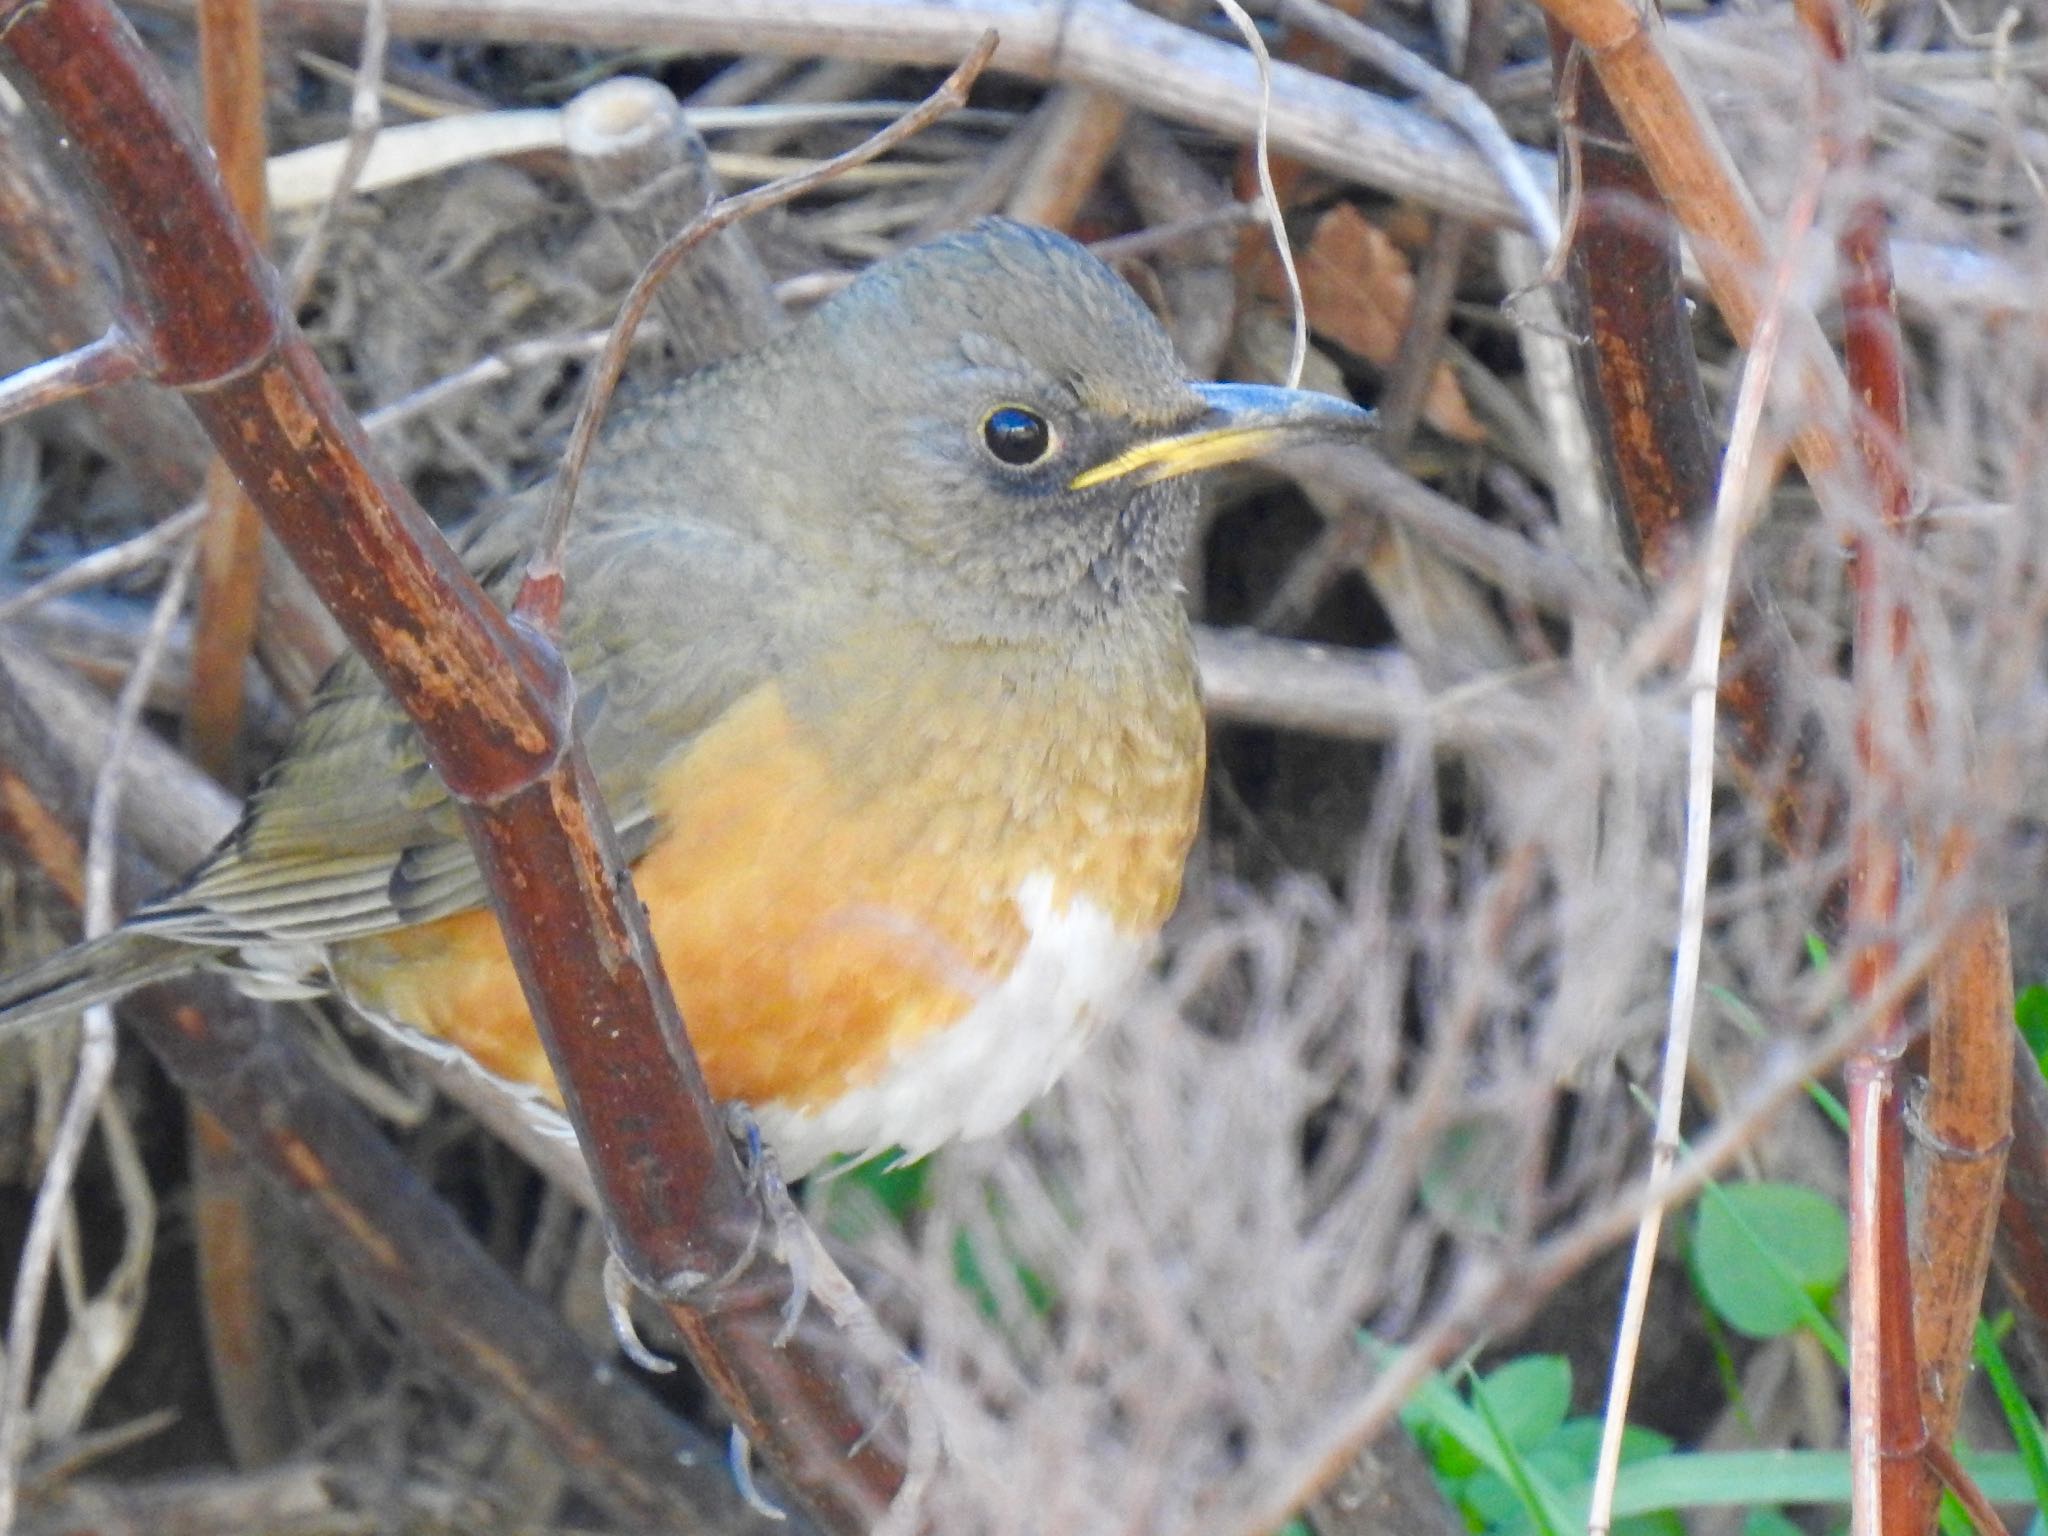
[(1648, 404), (1647, 407), (1963, 1131), (1887, 1431), (492, 704)]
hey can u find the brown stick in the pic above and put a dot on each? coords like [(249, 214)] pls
[(1942, 1463), (1968, 1110), (231, 543), (1066, 162), (224, 621), (1887, 1433), (649, 172), (1970, 1050), (493, 706), (1964, 1129), (247, 1374), (1697, 175), (1647, 406), (246, 1382)]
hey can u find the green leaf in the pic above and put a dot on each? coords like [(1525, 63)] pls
[(896, 1186), (1765, 1255), (1528, 1397), (2020, 1417), (1580, 1439), (1446, 1452), (1532, 1487), (1718, 1479), (2030, 1012), (849, 1198), (972, 1277), (1491, 1501), (1436, 1409)]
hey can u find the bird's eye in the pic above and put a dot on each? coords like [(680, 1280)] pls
[(1015, 435)]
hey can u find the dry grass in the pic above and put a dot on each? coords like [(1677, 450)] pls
[(1388, 1087)]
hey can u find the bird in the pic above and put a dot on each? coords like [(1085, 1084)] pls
[(884, 671)]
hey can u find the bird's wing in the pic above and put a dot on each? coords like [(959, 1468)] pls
[(352, 832)]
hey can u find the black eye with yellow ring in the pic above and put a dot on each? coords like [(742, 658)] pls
[(1016, 436)]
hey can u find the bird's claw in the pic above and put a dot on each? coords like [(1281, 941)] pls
[(739, 1459), (618, 1301)]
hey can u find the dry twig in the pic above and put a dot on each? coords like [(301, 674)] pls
[(92, 1073), (1741, 492)]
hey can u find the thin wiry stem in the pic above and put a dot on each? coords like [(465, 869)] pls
[(540, 594), (1262, 157), (1456, 100), (110, 360), (1735, 502), (365, 117), (105, 564), (95, 1057), (1490, 1299)]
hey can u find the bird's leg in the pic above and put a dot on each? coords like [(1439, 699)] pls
[(791, 1247), (792, 1237)]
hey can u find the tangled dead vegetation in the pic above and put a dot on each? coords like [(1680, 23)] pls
[(1389, 1102)]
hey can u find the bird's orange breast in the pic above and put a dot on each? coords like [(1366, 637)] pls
[(824, 897)]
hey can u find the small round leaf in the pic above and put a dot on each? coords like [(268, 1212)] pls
[(1764, 1253)]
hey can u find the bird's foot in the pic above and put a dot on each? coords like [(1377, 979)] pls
[(618, 1301), (791, 1237)]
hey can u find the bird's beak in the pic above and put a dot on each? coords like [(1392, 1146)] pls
[(1242, 421)]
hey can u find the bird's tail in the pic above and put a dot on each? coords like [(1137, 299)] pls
[(94, 972)]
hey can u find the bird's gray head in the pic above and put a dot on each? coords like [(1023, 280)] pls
[(997, 428)]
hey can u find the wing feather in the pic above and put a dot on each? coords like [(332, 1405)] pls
[(353, 834)]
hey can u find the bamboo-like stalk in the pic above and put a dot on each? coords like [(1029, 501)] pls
[(1887, 1433), (1694, 171), (231, 543), (247, 1387)]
